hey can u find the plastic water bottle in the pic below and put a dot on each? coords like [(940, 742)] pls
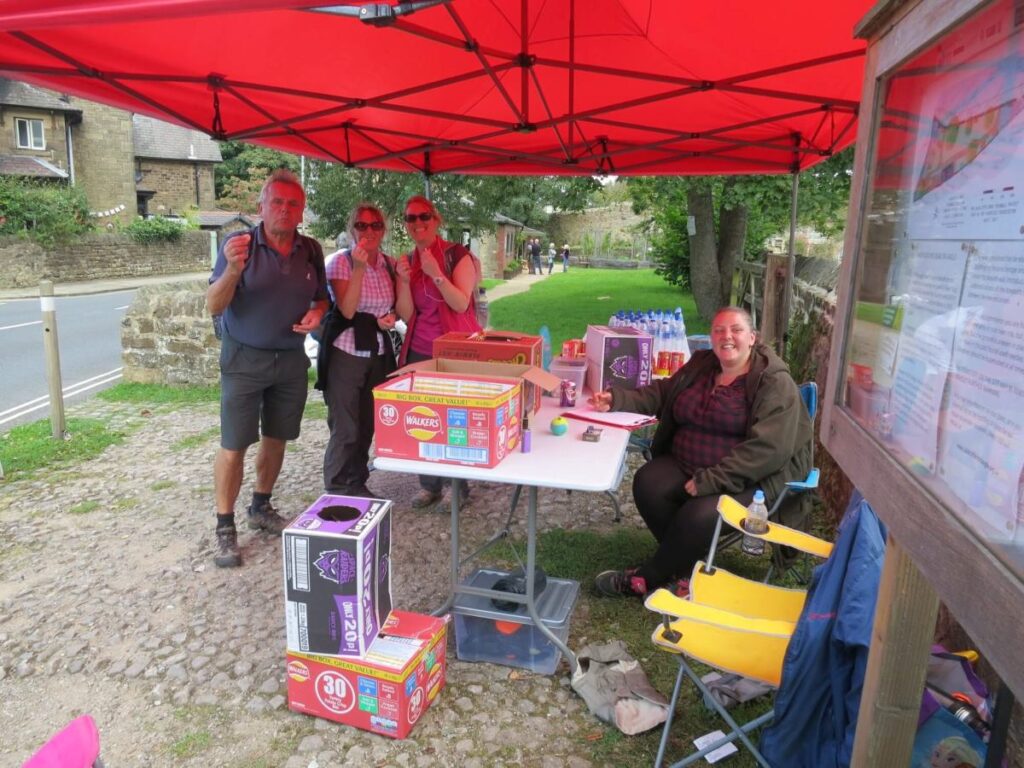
[(682, 345), (756, 521), (483, 314)]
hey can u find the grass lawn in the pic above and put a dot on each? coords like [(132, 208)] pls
[(567, 302)]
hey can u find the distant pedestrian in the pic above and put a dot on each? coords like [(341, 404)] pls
[(270, 287), (565, 257), (551, 257), (535, 267)]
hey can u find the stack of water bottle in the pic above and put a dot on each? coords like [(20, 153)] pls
[(667, 328)]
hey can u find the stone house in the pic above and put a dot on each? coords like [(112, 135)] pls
[(127, 164), (498, 249)]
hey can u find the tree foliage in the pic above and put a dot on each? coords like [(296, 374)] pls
[(466, 202), (727, 208), (45, 212), (238, 179)]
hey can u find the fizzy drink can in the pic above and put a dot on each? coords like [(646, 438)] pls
[(678, 359), (664, 360), (568, 393)]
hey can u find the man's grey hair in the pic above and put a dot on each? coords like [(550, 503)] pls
[(280, 176)]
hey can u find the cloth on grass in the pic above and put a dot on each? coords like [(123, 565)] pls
[(616, 690)]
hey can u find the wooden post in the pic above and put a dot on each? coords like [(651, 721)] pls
[(773, 323), (52, 351), (902, 635)]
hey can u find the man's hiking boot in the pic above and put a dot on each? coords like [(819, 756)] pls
[(425, 499), (463, 495), (265, 518), (625, 583), (227, 555)]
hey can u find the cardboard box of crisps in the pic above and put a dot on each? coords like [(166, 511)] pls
[(387, 690), (490, 347), (455, 411)]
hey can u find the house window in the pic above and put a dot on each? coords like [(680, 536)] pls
[(30, 133)]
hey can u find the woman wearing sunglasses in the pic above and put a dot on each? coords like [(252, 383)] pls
[(362, 283), (437, 283)]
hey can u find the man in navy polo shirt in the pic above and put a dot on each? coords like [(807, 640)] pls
[(270, 287)]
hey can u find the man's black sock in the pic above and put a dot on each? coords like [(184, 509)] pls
[(259, 499), (226, 521)]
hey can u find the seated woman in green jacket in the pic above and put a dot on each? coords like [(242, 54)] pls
[(730, 421)]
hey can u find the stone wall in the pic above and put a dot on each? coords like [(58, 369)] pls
[(612, 231), (167, 336), (100, 256), (104, 148), (54, 136), (176, 182)]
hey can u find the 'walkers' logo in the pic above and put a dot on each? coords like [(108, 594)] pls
[(298, 671), (336, 565), (422, 423)]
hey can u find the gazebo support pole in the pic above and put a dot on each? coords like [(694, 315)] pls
[(782, 329)]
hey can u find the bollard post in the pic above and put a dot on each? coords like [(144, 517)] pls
[(52, 350)]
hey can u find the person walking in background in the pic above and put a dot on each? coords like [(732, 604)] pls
[(565, 257), (535, 268), (356, 350), (551, 257), (269, 285), (436, 287), (729, 421)]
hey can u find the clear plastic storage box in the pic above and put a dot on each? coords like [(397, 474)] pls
[(510, 638), (573, 369)]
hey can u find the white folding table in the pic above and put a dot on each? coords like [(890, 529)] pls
[(564, 461)]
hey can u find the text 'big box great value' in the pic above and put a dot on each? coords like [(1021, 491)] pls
[(337, 574), (387, 690)]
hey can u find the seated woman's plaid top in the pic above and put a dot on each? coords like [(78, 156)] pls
[(712, 420)]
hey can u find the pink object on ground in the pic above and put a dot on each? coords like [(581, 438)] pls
[(77, 746)]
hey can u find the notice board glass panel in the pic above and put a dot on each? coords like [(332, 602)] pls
[(934, 359)]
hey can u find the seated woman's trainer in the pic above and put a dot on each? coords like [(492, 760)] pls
[(730, 421)]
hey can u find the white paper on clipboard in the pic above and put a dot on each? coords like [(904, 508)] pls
[(622, 419)]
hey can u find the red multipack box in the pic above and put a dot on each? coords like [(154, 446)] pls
[(448, 418), (456, 411), (490, 347), (386, 690)]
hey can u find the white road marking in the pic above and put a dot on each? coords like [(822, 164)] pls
[(118, 309), (71, 390), (19, 325)]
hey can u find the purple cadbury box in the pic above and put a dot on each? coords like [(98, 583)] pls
[(337, 575), (619, 357)]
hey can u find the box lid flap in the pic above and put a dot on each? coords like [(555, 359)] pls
[(537, 376)]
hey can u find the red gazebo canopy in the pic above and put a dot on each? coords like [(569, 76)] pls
[(469, 86)]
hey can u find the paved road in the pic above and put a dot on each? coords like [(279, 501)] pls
[(89, 333)]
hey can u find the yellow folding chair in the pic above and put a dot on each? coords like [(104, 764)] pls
[(730, 623)]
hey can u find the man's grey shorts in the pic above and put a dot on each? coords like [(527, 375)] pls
[(261, 392)]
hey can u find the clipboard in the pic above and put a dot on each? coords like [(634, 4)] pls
[(621, 419)]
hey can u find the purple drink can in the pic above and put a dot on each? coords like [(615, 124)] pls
[(568, 393)]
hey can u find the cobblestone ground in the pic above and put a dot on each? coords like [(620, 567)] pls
[(110, 605)]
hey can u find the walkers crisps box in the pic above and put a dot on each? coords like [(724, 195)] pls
[(387, 690), (490, 347), (618, 357), (337, 575), (456, 412)]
